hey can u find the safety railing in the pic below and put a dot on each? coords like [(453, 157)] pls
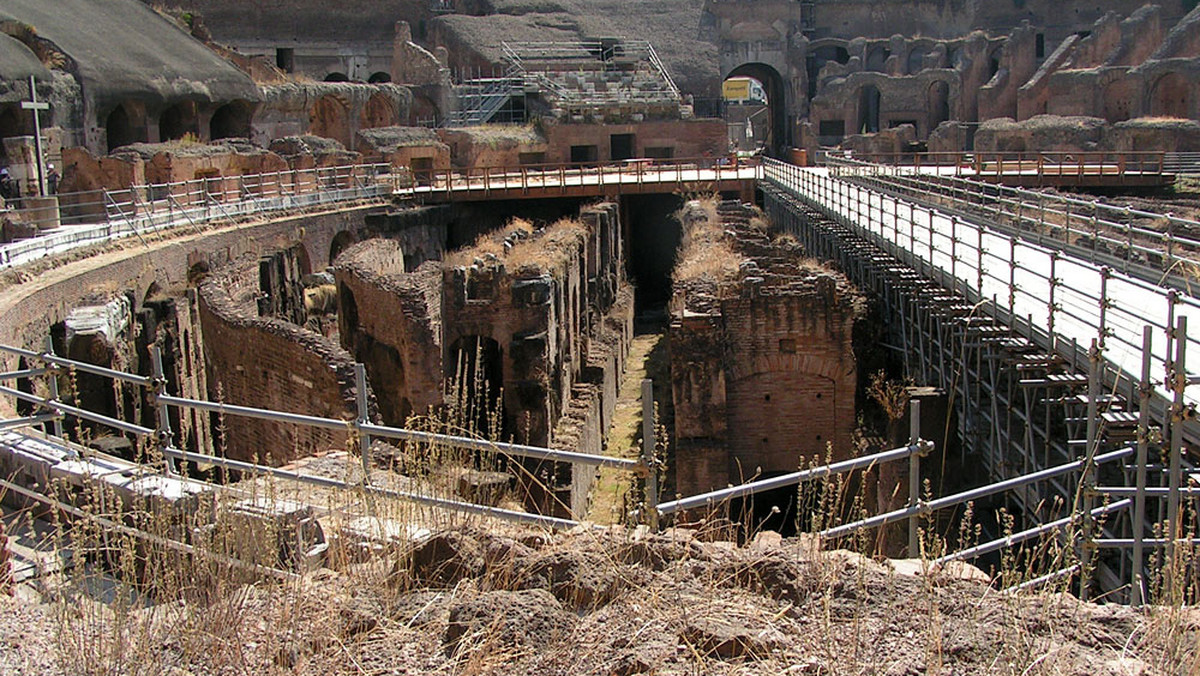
[(52, 411), (1058, 300), (1159, 248), (1051, 164), (686, 173), (1059, 303), (69, 220)]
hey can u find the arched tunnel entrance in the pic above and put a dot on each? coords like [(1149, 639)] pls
[(778, 134)]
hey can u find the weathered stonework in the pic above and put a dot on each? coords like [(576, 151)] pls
[(762, 364)]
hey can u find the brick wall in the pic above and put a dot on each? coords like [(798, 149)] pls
[(762, 364), (269, 363), (391, 322)]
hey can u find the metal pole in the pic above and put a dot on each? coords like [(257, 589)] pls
[(52, 387), (1088, 480), (914, 479), (1178, 408), (163, 435), (34, 107), (1145, 388), (364, 437), (648, 453)]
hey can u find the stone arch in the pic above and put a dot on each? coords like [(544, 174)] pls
[(178, 120), (330, 117), (120, 128), (379, 77), (1169, 97), (821, 52), (1118, 100), (424, 109), (232, 120), (13, 122), (916, 57), (869, 103), (340, 243), (778, 138), (380, 111), (937, 103), (337, 77), (877, 58)]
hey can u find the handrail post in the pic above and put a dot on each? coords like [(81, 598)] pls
[(648, 459), (364, 437), (914, 479), (1088, 480), (163, 435), (1179, 414), (1145, 389), (52, 386)]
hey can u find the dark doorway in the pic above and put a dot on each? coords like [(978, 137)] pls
[(938, 104), (476, 386), (769, 510), (337, 77), (285, 59), (379, 78), (232, 120), (178, 121), (869, 101), (119, 128), (583, 154), (622, 147), (654, 238)]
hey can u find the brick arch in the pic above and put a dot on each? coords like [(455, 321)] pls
[(380, 111), (1170, 96), (810, 364), (330, 117)]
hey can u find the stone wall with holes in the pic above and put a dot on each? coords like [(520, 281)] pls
[(763, 368), (334, 110), (390, 320), (267, 362)]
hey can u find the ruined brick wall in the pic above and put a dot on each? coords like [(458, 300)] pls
[(391, 322), (762, 364), (270, 363)]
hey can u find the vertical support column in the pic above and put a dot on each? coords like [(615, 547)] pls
[(1105, 273), (1137, 591), (364, 439), (1050, 303), (1087, 487), (52, 386), (648, 458), (163, 436), (1178, 412), (914, 479)]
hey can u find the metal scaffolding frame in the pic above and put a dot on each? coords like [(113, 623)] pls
[(1027, 398)]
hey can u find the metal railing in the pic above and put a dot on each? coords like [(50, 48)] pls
[(990, 165), (1058, 303), (1159, 248), (53, 410), (1022, 282), (671, 174), (78, 219)]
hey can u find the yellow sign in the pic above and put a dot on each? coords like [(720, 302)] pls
[(736, 89)]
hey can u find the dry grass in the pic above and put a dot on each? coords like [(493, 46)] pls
[(705, 254)]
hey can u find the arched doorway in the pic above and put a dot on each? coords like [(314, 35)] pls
[(119, 128), (337, 77), (340, 243), (778, 136), (816, 59), (379, 77), (12, 123), (869, 101), (329, 118), (1118, 100), (178, 121), (232, 120), (379, 112), (938, 103), (1169, 98)]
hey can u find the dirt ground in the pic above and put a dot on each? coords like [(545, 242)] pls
[(605, 602)]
